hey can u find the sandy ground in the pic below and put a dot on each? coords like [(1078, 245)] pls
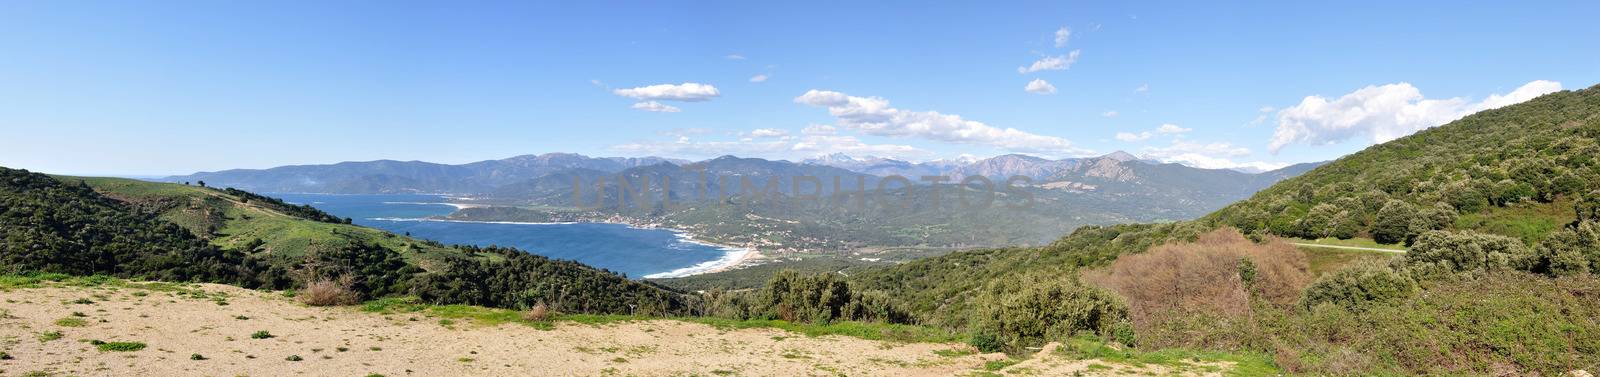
[(346, 342)]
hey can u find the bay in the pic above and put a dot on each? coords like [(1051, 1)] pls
[(635, 252)]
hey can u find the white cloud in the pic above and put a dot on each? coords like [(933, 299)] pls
[(819, 129), (782, 147), (1164, 129), (1051, 63), (653, 106), (1383, 113), (687, 92), (1217, 155), (734, 57), (684, 132), (1062, 35), (1268, 109), (1172, 129), (873, 116), (1039, 86), (1110, 114), (768, 133), (758, 78), (1143, 88), (1132, 137)]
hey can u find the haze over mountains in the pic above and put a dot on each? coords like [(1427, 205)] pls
[(1060, 195), (505, 175)]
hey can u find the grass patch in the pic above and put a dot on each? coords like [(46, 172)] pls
[(263, 334), (1245, 364), (117, 346), (1324, 260), (955, 352), (49, 336), (72, 322), (492, 317), (994, 365)]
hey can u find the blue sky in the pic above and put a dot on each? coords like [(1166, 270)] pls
[(175, 87)]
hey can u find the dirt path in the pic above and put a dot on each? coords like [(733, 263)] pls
[(1397, 251), (50, 330)]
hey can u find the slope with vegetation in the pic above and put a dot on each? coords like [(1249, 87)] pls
[(1497, 209), (174, 232)]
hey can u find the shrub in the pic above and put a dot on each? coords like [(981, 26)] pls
[(1587, 207), (1447, 252), (1393, 223), (330, 292), (822, 298), (538, 313), (1214, 277), (1359, 285), (1031, 310), (263, 334), (1571, 251)]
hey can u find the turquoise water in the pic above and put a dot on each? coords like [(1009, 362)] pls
[(620, 248)]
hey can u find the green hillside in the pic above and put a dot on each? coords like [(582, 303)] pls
[(174, 232), (239, 220), (1516, 171), (1498, 211)]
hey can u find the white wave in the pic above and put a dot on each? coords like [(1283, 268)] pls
[(457, 205), (731, 256)]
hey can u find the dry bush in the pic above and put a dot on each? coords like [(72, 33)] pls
[(1216, 276), (330, 292), (538, 313)]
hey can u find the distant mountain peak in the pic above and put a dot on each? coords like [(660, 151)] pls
[(1121, 156)]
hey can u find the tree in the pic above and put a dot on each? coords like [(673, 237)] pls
[(1345, 226), (1464, 196), (1393, 223), (1318, 221), (201, 183)]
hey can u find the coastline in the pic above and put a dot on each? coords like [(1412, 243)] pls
[(733, 257)]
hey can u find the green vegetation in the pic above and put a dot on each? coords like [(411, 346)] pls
[(1513, 171), (1179, 359), (263, 334), (1360, 285), (72, 322), (117, 346), (170, 232), (49, 336)]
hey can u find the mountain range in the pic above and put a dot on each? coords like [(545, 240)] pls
[(1064, 194), (513, 175)]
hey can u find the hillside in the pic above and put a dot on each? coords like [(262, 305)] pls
[(174, 232), (1497, 209), (1516, 171)]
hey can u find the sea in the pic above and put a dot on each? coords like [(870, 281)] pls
[(631, 251)]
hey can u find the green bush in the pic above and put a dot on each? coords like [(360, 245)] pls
[(805, 298), (1031, 310), (1393, 224), (1359, 285), (1571, 251), (1448, 252)]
